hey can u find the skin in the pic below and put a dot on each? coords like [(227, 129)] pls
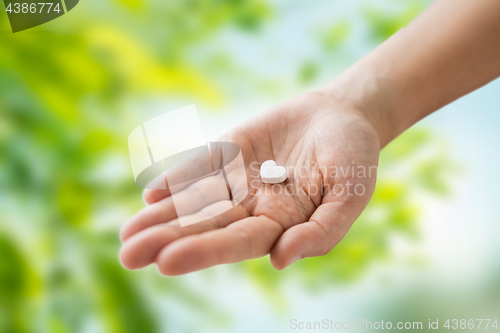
[(450, 50)]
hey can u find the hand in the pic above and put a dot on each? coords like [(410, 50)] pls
[(320, 141)]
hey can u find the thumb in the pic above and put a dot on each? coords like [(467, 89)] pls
[(318, 236)]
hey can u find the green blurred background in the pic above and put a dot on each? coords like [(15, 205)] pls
[(73, 89)]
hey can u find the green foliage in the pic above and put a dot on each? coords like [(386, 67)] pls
[(132, 4), (64, 123), (308, 72), (18, 281), (385, 22), (336, 35)]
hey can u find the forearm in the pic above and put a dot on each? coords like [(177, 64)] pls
[(450, 50)]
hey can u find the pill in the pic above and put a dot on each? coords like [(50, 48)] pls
[(270, 173)]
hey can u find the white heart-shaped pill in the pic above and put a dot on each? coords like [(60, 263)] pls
[(272, 174)]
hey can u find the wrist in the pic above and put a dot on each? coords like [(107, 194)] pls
[(372, 95), (379, 86)]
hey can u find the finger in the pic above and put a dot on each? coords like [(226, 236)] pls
[(199, 195), (142, 248), (180, 204), (194, 164), (157, 190), (237, 178), (249, 238), (159, 212), (325, 229)]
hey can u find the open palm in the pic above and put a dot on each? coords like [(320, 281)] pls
[(330, 152)]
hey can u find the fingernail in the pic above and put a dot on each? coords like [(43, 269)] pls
[(294, 259)]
